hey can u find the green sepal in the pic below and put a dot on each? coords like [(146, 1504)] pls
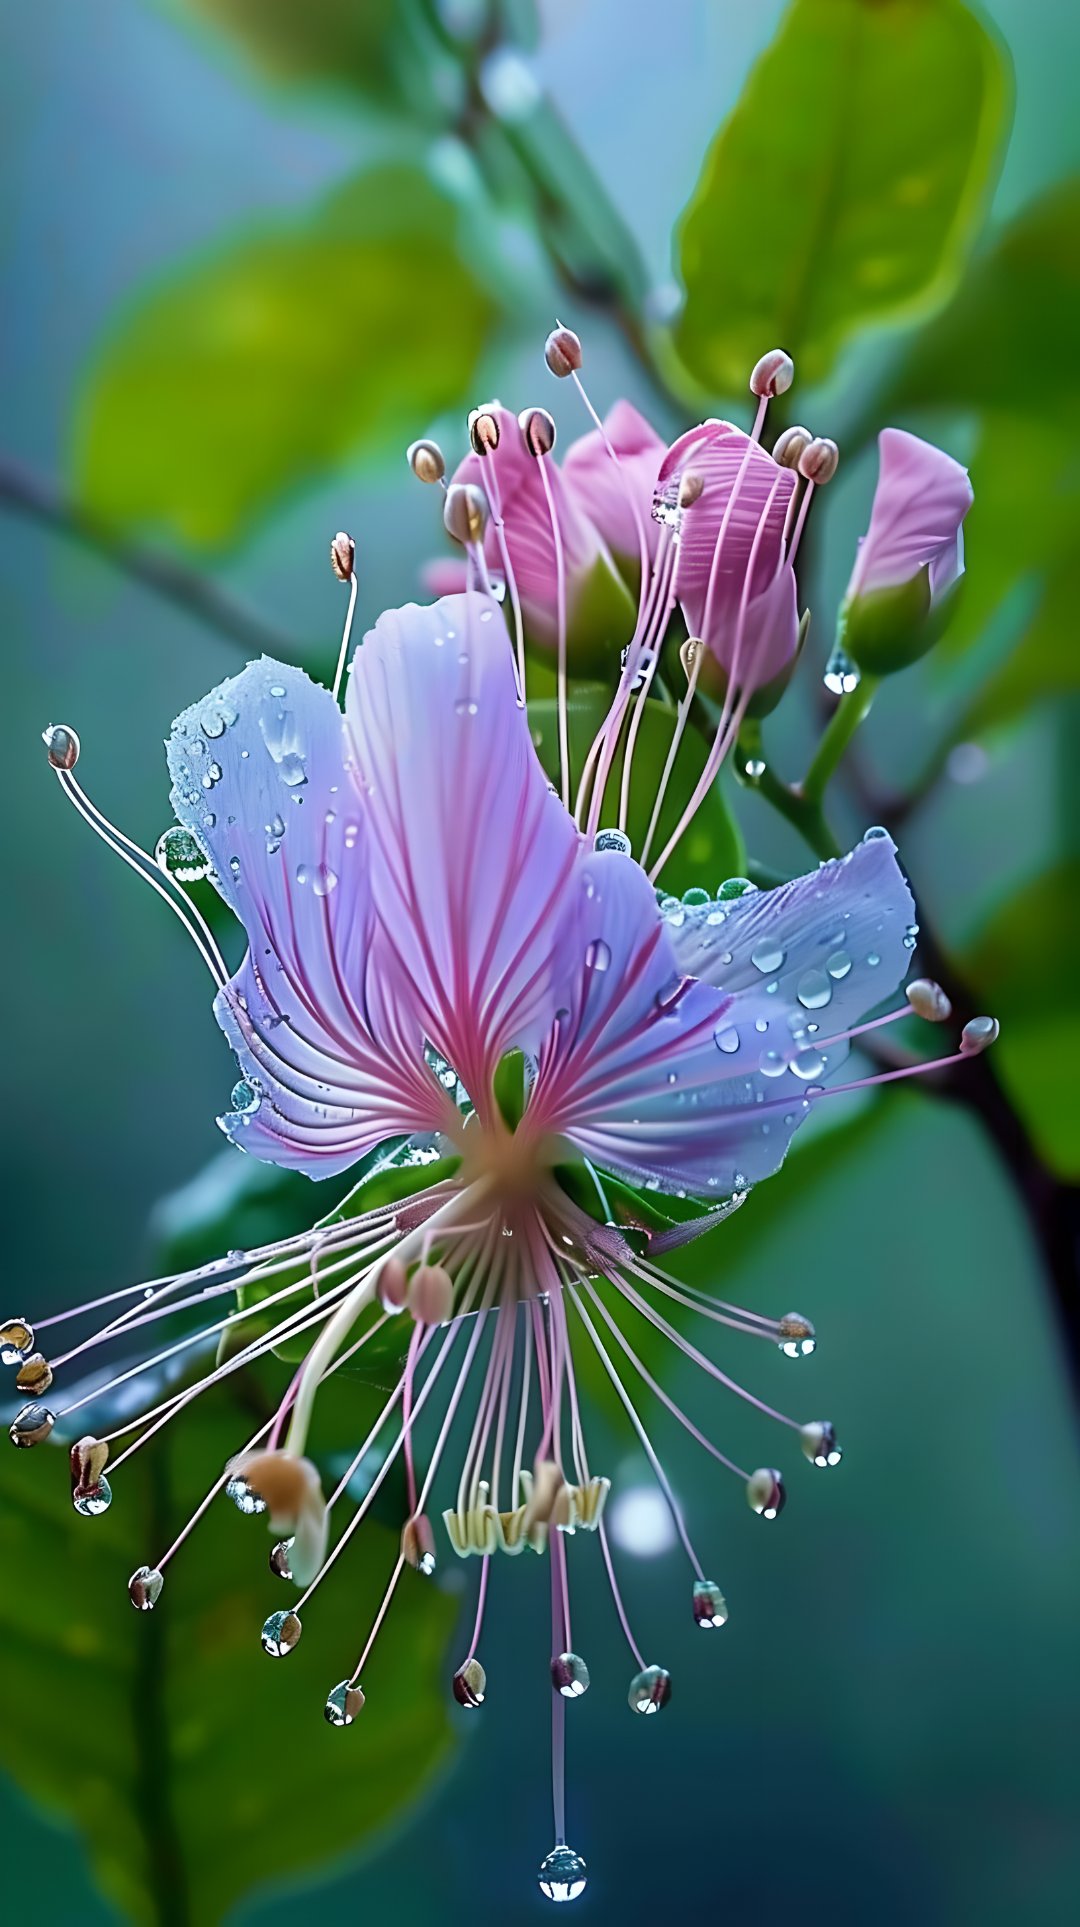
[(512, 1088), (886, 630)]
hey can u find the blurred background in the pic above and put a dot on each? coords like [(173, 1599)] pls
[(249, 250)]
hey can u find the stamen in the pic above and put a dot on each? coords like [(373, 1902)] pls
[(617, 1595), (817, 464), (426, 460), (537, 440), (485, 443), (343, 562)]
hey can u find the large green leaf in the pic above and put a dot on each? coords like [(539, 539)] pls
[(386, 50), (712, 849), (195, 1767), (846, 186), (256, 370)]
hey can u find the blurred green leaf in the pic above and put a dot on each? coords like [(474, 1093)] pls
[(846, 186), (1023, 964), (253, 372), (712, 848), (386, 50), (195, 1767)]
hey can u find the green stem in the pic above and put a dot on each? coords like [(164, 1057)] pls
[(804, 813), (850, 711)]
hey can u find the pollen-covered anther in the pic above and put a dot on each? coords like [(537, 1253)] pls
[(31, 1426), (819, 460), (773, 374), (16, 1341), (431, 1294), (818, 1440), (927, 999), (479, 1529), (765, 1493), (650, 1690), (418, 1544), (343, 556), (392, 1285), (465, 512), (470, 1684), (34, 1375), (427, 461), (710, 1606), (797, 1338), (538, 430), (62, 745), (569, 1675), (484, 429), (343, 1703), (978, 1034), (89, 1457), (789, 447), (144, 1588), (562, 352), (690, 488)]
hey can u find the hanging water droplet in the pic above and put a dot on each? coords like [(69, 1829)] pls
[(814, 990), (144, 1588), (280, 1559), (32, 1425), (818, 1441), (280, 1633), (754, 769), (243, 1099), (765, 1492), (797, 1337), (613, 840), (343, 1703), (179, 855), (650, 1690), (243, 1498), (875, 834), (94, 1499), (838, 965), (710, 1606), (767, 956), (16, 1341), (598, 955), (562, 1875), (470, 1684), (841, 674), (570, 1676), (726, 1039)]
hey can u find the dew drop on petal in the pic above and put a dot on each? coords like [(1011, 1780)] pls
[(767, 956), (598, 955), (814, 990), (726, 1038), (613, 840), (838, 965)]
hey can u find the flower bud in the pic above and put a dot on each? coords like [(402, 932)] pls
[(32, 1425), (343, 556), (927, 999), (797, 1338), (978, 1034), (144, 1588), (61, 745), (431, 1295), (789, 448), (392, 1285), (819, 1443), (16, 1341), (280, 1633), (343, 1703), (470, 1684), (570, 1676), (908, 564), (562, 352), (819, 460), (538, 429), (650, 1690), (765, 1492), (465, 512), (418, 1544), (427, 461), (710, 1606), (773, 374), (484, 430), (34, 1375)]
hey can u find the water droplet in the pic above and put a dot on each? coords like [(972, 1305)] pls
[(470, 1684), (838, 965), (695, 897), (243, 1498), (649, 1690), (570, 1676), (212, 776), (292, 769), (734, 887), (16, 1341), (874, 834), (598, 955), (32, 1425), (144, 1588), (613, 840), (765, 1492), (710, 1606), (95, 1500), (562, 1875), (797, 1339), (343, 1703), (818, 1441), (234, 865), (873, 959), (767, 956), (814, 990), (754, 769), (280, 1633), (761, 1023), (841, 674), (726, 1038), (243, 1098), (280, 1559), (179, 855), (808, 1064), (771, 1064), (465, 706), (324, 880), (212, 723)]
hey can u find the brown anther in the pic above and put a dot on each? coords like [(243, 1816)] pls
[(31, 1426), (538, 430), (562, 352), (34, 1375), (427, 461), (280, 1559), (61, 745), (418, 1544), (773, 374), (470, 1684), (788, 448), (484, 430), (431, 1294), (144, 1588), (819, 460), (392, 1285), (89, 1457), (928, 1000), (465, 512), (286, 1484), (690, 488), (16, 1341), (547, 1483), (343, 556)]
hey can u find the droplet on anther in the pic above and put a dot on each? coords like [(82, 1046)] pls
[(281, 1559), (927, 999), (570, 1676), (710, 1606), (484, 429), (343, 1703), (562, 352), (562, 1874), (179, 855), (243, 1498), (34, 1375), (977, 1035), (797, 1339), (470, 1684), (89, 1457), (61, 745), (32, 1425), (343, 556), (16, 1341), (773, 374), (788, 448), (144, 1588), (431, 1294), (418, 1544), (538, 429), (819, 1443), (765, 1492), (427, 461), (280, 1633), (820, 460), (465, 512), (650, 1690), (94, 1500)]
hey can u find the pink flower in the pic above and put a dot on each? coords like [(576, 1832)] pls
[(607, 496), (911, 557)]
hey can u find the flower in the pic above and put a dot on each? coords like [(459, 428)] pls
[(911, 557), (557, 1074)]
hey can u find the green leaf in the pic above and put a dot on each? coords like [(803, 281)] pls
[(385, 50), (258, 369), (711, 848), (195, 1767), (845, 188)]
